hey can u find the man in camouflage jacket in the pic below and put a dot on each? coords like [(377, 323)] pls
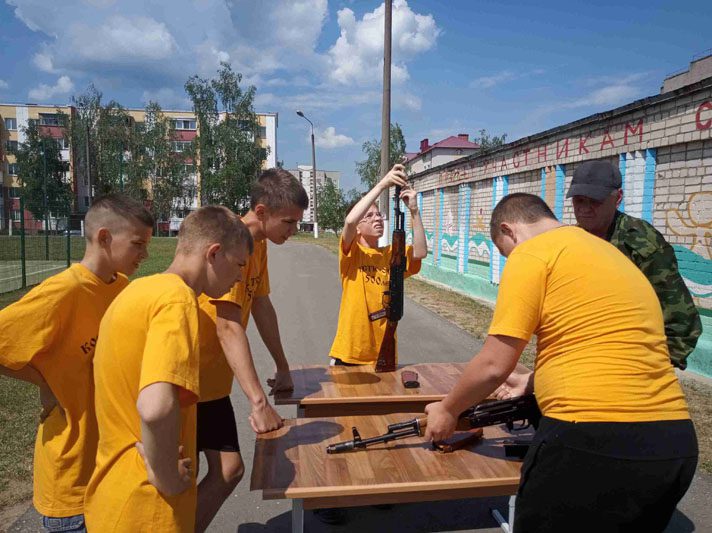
[(596, 193)]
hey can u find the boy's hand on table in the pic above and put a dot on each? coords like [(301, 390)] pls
[(182, 481), (264, 418), (441, 423), (281, 382)]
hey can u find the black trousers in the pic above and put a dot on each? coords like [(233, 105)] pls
[(605, 477)]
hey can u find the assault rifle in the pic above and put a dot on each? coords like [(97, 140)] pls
[(523, 409), (393, 297)]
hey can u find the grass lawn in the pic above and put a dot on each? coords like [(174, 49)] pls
[(19, 402), (474, 317)]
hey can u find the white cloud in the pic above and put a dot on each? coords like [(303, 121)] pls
[(357, 55), (43, 61), (609, 96), (504, 76), (328, 138), (408, 101), (3, 84), (167, 98), (45, 92)]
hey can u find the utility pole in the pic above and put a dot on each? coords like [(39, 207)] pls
[(386, 119)]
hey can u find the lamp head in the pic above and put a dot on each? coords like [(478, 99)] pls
[(300, 113)]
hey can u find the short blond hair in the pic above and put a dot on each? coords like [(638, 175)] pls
[(213, 224)]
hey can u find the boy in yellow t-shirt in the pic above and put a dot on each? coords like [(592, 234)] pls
[(146, 375), (615, 449), (277, 202), (364, 270), (48, 338)]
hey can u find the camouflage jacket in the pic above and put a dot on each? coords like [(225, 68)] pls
[(651, 253)]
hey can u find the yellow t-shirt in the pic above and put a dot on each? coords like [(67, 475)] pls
[(601, 348), (148, 335), (216, 376), (54, 328), (364, 277)]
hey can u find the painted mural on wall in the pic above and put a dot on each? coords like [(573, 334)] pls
[(695, 224)]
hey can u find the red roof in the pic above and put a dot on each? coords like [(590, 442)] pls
[(454, 141)]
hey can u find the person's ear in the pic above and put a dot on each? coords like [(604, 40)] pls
[(261, 212), (212, 251), (507, 230), (103, 237), (619, 197)]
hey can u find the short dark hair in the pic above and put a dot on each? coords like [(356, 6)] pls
[(278, 189), (518, 207), (213, 224), (114, 211)]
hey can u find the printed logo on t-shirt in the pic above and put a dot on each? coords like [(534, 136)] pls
[(251, 286), (88, 346), (375, 274)]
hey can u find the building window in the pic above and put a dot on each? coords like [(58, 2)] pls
[(181, 146), (184, 124), (86, 201), (189, 169), (12, 169), (10, 123), (16, 215), (11, 146), (14, 192), (262, 132), (49, 120)]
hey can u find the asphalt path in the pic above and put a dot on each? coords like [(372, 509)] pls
[(306, 294)]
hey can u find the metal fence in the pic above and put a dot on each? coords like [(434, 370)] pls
[(33, 248)]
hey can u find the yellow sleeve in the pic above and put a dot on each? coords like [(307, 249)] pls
[(31, 325), (263, 288), (345, 260), (171, 351), (412, 265), (520, 298)]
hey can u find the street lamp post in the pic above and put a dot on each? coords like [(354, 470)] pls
[(316, 229)]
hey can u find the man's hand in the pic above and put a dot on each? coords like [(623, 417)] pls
[(441, 423), (515, 385), (410, 198), (49, 402), (182, 481), (264, 418), (395, 176), (281, 382)]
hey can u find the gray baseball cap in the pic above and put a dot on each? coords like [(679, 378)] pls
[(595, 179)]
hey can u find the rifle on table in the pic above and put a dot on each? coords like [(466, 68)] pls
[(393, 297), (523, 409)]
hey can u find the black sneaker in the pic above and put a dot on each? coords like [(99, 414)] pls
[(333, 516)]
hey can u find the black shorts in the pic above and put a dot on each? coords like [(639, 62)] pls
[(217, 429), (605, 477)]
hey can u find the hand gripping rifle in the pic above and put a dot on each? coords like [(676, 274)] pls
[(393, 297), (523, 409)]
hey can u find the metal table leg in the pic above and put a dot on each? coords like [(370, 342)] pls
[(297, 516), (507, 527)]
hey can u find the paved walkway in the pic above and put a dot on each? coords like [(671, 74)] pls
[(306, 294)]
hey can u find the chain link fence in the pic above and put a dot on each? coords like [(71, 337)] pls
[(35, 246)]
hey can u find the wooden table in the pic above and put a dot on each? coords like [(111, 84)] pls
[(358, 390), (292, 463)]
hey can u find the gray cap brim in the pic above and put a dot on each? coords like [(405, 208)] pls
[(597, 192)]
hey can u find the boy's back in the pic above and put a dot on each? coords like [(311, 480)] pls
[(149, 335), (54, 327)]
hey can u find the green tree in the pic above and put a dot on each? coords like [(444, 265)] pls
[(370, 168), (331, 206), (156, 167), (227, 147), (488, 143), (41, 173)]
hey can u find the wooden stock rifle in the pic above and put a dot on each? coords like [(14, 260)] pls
[(523, 409), (393, 297)]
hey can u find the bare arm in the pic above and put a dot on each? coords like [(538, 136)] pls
[(239, 356), (487, 370), (159, 410), (420, 245), (30, 374), (396, 176), (266, 321)]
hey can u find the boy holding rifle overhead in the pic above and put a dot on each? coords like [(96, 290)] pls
[(364, 268)]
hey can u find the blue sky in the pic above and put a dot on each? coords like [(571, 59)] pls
[(459, 66)]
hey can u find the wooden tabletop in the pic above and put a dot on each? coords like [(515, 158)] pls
[(292, 463), (314, 385)]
